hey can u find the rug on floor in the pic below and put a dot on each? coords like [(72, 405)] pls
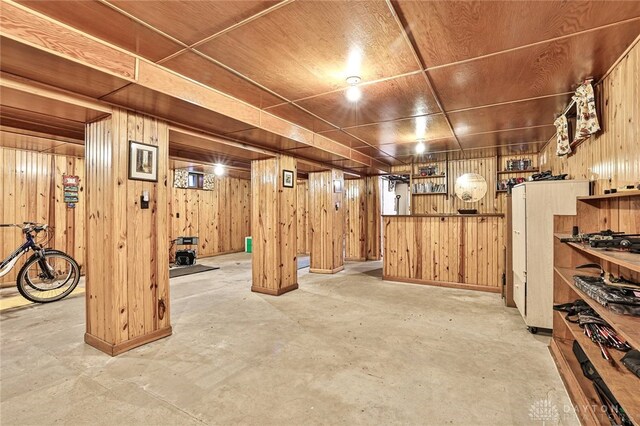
[(180, 271)]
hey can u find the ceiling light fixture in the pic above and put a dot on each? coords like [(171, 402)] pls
[(353, 93), (218, 170), (420, 147)]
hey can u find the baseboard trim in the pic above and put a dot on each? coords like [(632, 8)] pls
[(465, 286), (273, 292), (117, 349), (326, 271), (355, 259)]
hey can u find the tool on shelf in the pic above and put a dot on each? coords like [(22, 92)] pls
[(607, 239), (594, 327)]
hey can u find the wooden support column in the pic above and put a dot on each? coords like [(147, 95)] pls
[(327, 221), (274, 226), (373, 218), (127, 247)]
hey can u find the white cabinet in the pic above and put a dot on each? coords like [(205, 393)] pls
[(534, 205)]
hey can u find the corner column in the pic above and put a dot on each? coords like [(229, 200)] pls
[(327, 221), (127, 259), (274, 199), (373, 218)]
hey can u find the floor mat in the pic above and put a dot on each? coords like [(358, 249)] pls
[(188, 270)]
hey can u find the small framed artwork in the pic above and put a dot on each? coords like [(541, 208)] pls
[(287, 178), (143, 161), (337, 186)]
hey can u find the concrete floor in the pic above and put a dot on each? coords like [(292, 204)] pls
[(342, 349)]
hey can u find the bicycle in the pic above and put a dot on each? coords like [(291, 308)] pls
[(48, 275)]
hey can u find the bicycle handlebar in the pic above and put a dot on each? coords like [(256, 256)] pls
[(27, 226)]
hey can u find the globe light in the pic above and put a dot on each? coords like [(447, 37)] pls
[(354, 94)]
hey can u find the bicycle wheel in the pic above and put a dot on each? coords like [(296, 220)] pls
[(34, 285)]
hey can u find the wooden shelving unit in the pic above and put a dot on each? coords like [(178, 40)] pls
[(623, 194), (509, 172), (624, 385), (500, 163), (415, 176), (429, 177)]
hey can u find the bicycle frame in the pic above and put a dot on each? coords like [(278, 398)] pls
[(7, 264)]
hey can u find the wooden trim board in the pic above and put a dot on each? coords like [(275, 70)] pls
[(273, 292), (464, 286), (119, 348), (326, 271)]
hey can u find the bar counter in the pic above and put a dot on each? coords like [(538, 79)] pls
[(450, 250)]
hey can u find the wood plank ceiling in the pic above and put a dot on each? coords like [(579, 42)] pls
[(470, 76)]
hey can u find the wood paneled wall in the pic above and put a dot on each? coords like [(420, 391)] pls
[(220, 218), (362, 215), (273, 225), (460, 251), (363, 218), (327, 223), (31, 188), (612, 157), (302, 213), (127, 264)]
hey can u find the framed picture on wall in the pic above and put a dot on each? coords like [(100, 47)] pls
[(143, 161), (337, 186), (287, 178)]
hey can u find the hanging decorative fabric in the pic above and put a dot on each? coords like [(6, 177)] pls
[(586, 117), (209, 182), (562, 135), (181, 178)]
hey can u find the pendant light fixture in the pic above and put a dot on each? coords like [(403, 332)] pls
[(420, 146)]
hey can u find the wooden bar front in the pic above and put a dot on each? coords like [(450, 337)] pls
[(450, 250)]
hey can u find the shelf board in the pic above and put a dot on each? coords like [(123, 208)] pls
[(617, 377), (429, 177), (509, 172), (501, 191), (578, 386), (429, 193), (626, 325), (622, 258), (634, 193)]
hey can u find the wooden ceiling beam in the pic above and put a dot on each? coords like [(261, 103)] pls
[(31, 28), (24, 85)]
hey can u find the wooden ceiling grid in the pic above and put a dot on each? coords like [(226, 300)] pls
[(479, 82)]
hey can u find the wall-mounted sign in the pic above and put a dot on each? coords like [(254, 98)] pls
[(70, 186)]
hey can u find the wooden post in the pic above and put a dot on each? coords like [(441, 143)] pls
[(373, 218), (127, 247), (274, 225), (327, 221)]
